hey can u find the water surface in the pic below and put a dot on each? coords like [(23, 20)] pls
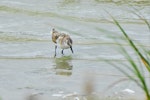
[(27, 65)]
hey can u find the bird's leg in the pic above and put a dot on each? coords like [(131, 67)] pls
[(62, 52), (55, 50), (71, 49)]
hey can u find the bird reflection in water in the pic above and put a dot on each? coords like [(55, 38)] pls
[(63, 66)]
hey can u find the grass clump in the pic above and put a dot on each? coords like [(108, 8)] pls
[(134, 67)]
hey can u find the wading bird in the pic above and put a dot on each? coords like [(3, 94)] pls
[(62, 40)]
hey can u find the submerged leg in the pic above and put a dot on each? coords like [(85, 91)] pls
[(71, 49), (55, 50), (62, 52)]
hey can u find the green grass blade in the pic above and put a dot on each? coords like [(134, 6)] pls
[(146, 63), (144, 60)]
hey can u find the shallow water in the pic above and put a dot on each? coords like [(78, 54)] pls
[(27, 65)]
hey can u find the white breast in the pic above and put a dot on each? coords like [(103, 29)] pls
[(64, 45)]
